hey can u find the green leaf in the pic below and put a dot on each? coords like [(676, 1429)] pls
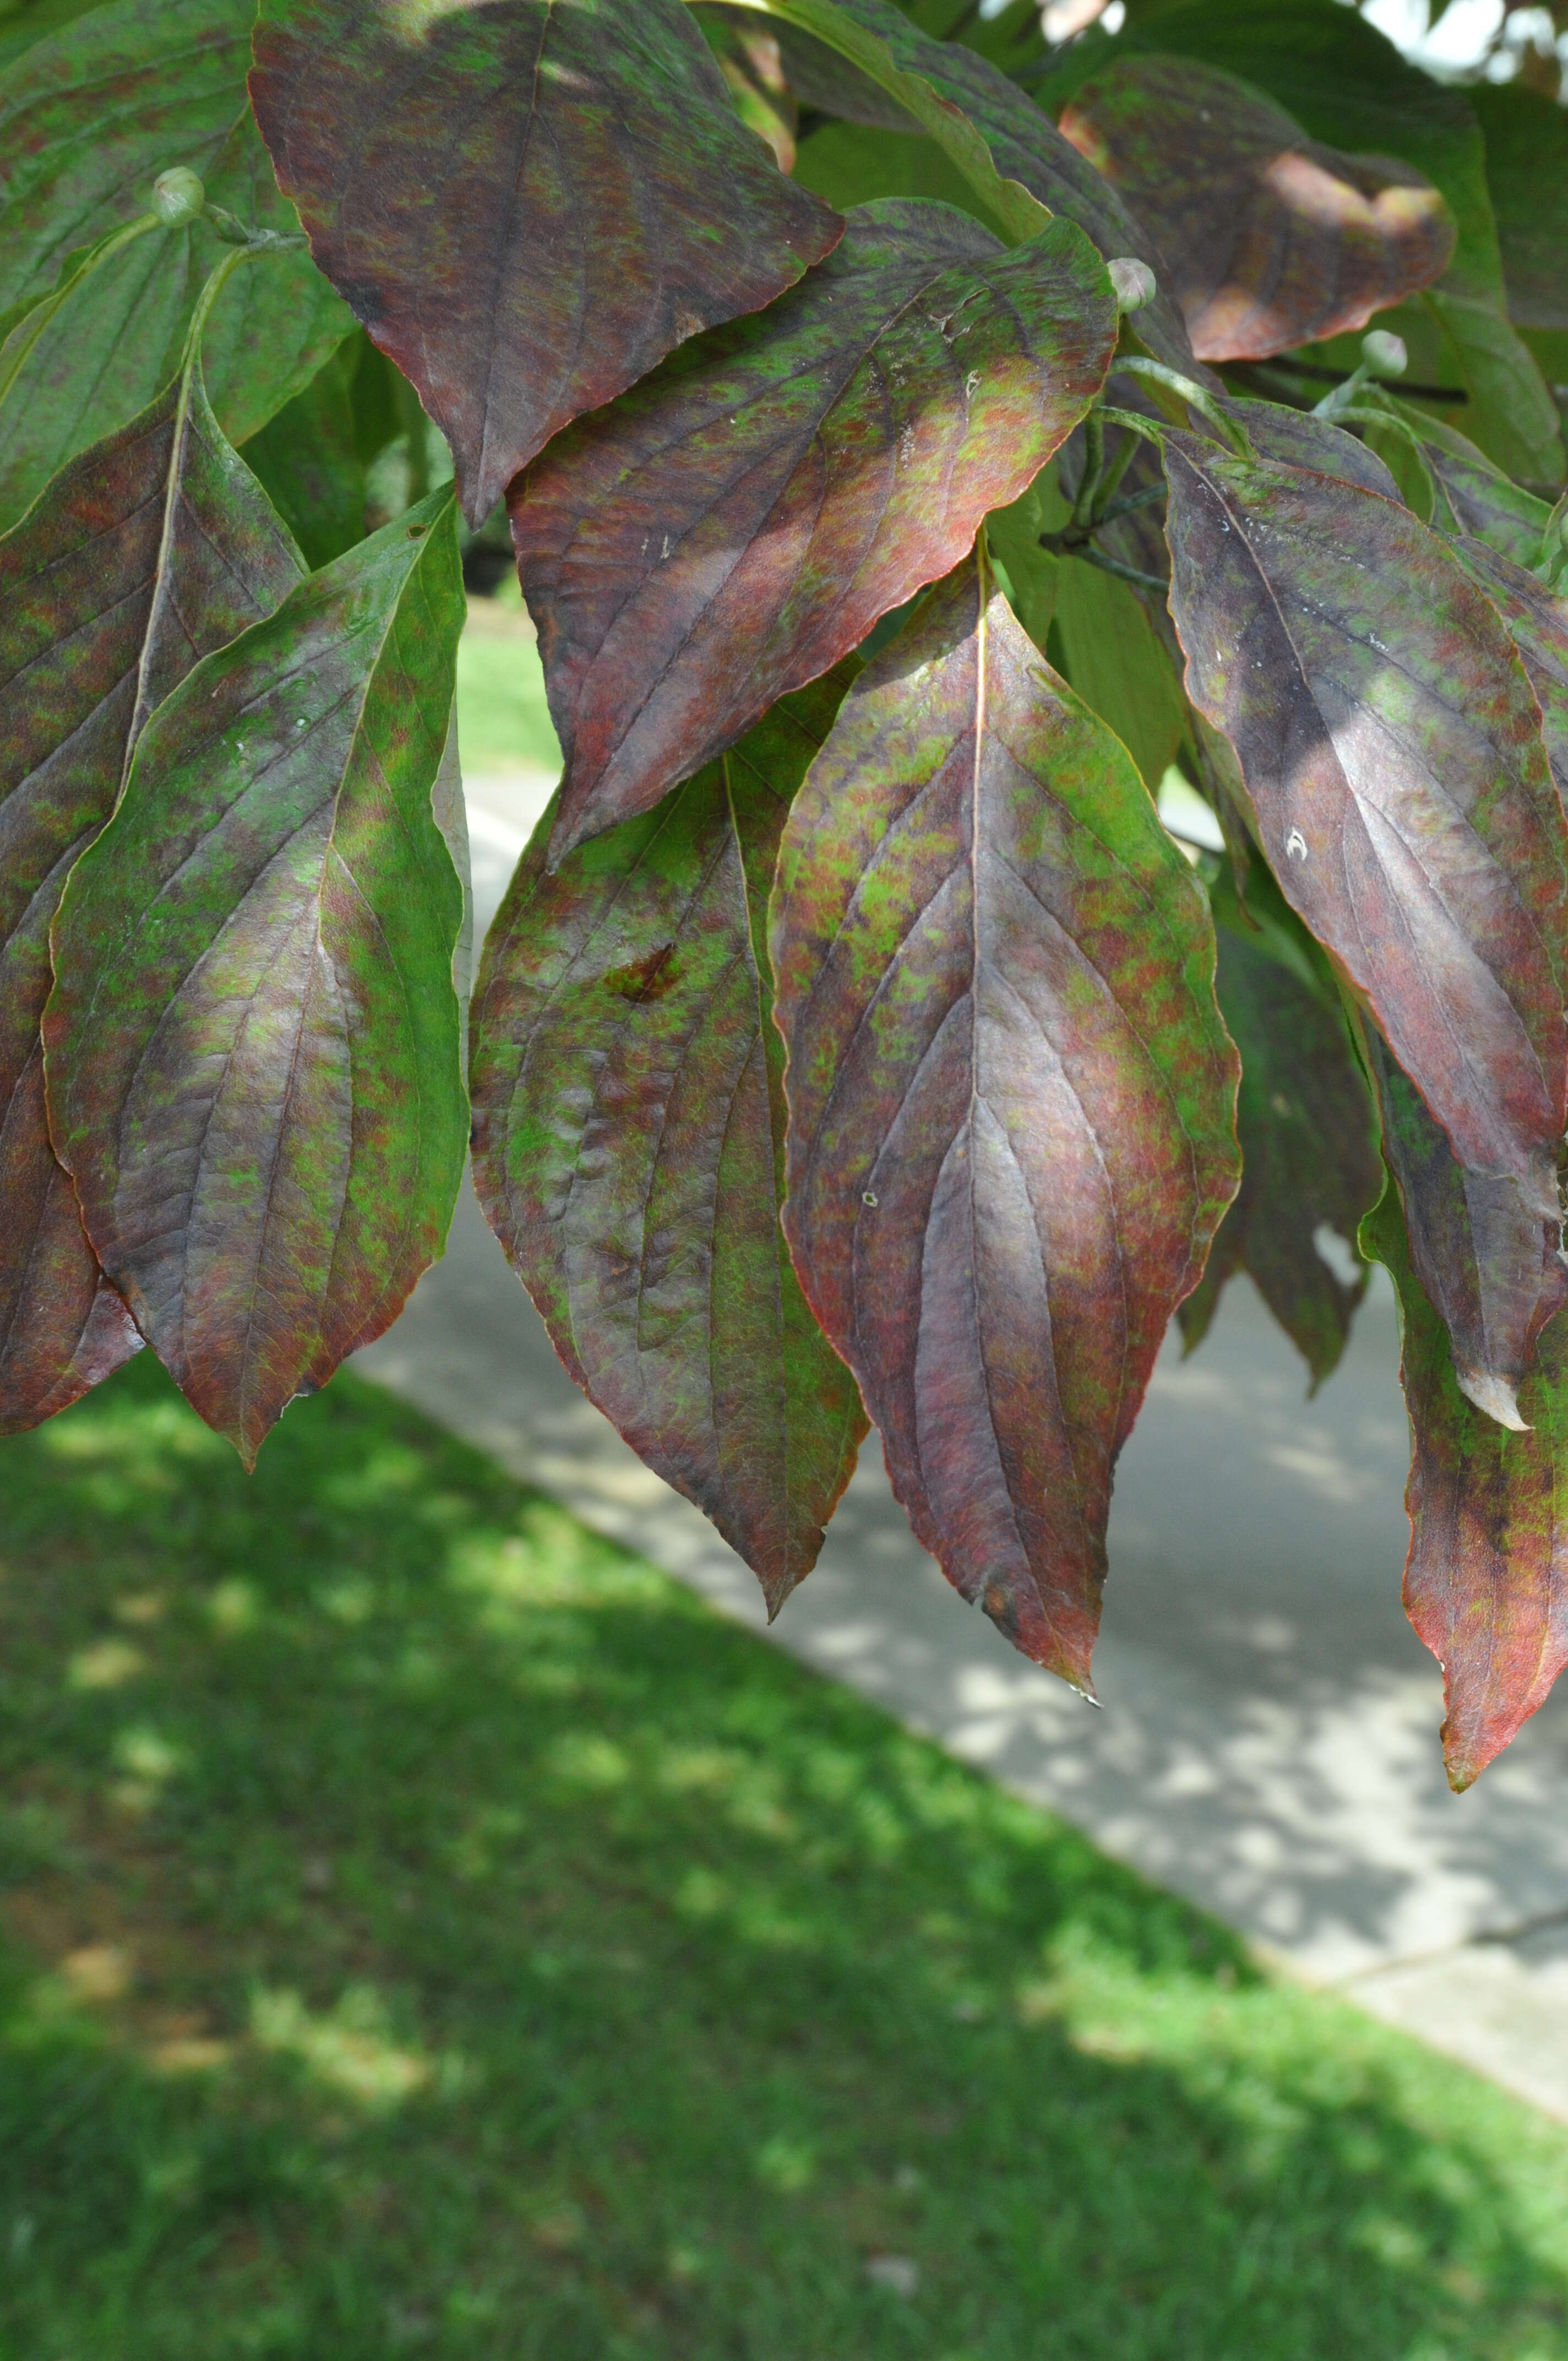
[(848, 167), (1108, 650), (148, 551), (253, 1043), (1019, 162), (1029, 573), (735, 526), (23, 25), (1272, 238), (1511, 412), (1010, 1097), (307, 459), (749, 59), (1474, 497), (1345, 83), (1309, 1146), (1527, 172), (628, 1146), (1390, 743), (1487, 1578), (528, 206), (88, 118)]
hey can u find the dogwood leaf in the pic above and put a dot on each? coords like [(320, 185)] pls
[(1011, 1131), (527, 204), (252, 1047), (628, 1146), (733, 526), (148, 551), (1390, 744), (1272, 239)]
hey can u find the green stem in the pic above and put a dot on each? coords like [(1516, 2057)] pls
[(1094, 467), (1194, 396), (217, 280), (1152, 430), (1144, 499), (1111, 480), (1092, 557)]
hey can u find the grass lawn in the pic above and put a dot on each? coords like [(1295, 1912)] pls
[(428, 1929), (503, 721)]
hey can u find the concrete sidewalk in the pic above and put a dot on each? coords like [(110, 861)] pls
[(1268, 1740)]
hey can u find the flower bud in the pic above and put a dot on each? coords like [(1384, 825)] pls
[(1385, 353), (1133, 280), (178, 196)]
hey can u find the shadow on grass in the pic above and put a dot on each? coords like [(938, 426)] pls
[(427, 1929)]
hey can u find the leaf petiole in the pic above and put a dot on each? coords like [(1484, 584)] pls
[(1194, 396), (1058, 545), (1144, 499)]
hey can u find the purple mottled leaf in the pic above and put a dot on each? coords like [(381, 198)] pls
[(527, 203), (629, 1137), (1308, 1150), (1487, 1578), (146, 552), (1492, 1267), (1271, 238), (735, 526), (1390, 744), (1010, 1126), (253, 1044)]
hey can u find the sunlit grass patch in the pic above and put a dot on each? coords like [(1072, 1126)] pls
[(448, 1937)]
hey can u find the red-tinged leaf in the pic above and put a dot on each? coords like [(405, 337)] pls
[(628, 1145), (1308, 1150), (1487, 1578), (1025, 145), (62, 1326), (1537, 622), (1010, 1098), (735, 526), (527, 203), (1299, 439), (252, 1047), (1491, 1267), (148, 551), (1271, 238), (1347, 83), (1390, 744)]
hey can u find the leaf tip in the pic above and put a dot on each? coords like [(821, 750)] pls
[(1494, 1395)]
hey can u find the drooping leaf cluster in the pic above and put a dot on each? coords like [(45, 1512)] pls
[(929, 457)]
